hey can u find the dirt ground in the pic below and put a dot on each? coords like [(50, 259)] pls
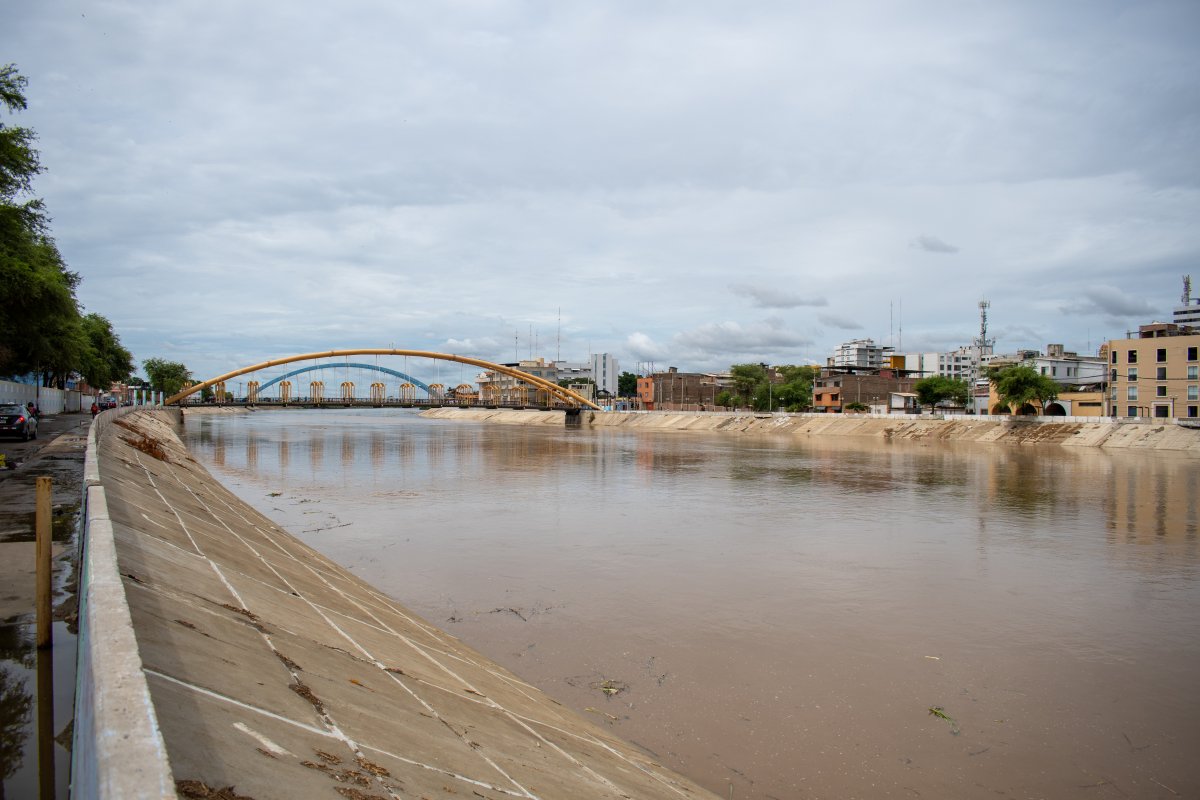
[(57, 452)]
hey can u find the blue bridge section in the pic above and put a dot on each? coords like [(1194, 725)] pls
[(344, 365)]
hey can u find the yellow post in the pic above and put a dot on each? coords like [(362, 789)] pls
[(42, 519)]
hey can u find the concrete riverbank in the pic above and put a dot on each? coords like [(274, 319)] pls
[(1137, 435), (221, 652)]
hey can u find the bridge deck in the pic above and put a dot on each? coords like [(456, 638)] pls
[(275, 671)]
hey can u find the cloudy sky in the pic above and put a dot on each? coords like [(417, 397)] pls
[(691, 183)]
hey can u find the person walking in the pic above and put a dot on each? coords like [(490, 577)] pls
[(95, 409)]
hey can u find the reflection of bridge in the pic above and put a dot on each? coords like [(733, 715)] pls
[(526, 391)]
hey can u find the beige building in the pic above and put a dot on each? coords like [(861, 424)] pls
[(1157, 374)]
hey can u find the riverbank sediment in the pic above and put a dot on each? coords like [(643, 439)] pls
[(1104, 433)]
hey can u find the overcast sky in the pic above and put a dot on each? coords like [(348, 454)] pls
[(691, 183)]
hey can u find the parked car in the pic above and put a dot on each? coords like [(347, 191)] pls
[(107, 403), (15, 420)]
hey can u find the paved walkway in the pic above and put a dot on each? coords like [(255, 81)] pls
[(276, 672)]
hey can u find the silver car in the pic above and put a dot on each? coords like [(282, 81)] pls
[(16, 420)]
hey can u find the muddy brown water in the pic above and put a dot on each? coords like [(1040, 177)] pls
[(780, 618)]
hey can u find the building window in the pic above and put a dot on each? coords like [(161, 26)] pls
[(1132, 356), (1192, 410), (1192, 353), (1160, 391), (1114, 356), (1193, 392), (1132, 393), (1133, 373), (1162, 354), (1114, 376), (1131, 411), (1193, 373), (1054, 371), (1043, 370), (1162, 411), (1161, 374)]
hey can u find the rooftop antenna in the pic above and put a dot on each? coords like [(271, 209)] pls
[(983, 341), (531, 341), (1187, 290), (558, 338), (516, 345), (900, 338)]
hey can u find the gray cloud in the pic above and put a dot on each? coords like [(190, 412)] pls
[(466, 170), (769, 336), (767, 297), (932, 244), (841, 323), (1109, 301)]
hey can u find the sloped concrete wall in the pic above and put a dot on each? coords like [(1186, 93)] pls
[(1114, 434)]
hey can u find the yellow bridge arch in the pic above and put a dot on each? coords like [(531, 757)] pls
[(566, 395)]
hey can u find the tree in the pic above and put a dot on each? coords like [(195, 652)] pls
[(1018, 384), (795, 393), (938, 388), (167, 377), (106, 360), (746, 378), (627, 384), (791, 390), (40, 324)]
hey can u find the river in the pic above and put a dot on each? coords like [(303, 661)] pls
[(781, 618)]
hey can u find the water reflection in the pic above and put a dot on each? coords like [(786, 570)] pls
[(16, 702)]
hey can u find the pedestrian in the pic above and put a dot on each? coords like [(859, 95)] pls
[(95, 409)]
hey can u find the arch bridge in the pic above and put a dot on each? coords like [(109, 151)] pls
[(566, 397), (348, 365)]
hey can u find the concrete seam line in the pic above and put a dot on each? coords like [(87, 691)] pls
[(122, 752)]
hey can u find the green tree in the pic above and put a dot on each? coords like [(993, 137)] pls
[(627, 384), (795, 392), (165, 376), (40, 325), (105, 360), (746, 378), (1018, 384), (935, 389)]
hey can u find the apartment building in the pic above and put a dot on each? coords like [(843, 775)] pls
[(1155, 374), (860, 353), (967, 363), (605, 372)]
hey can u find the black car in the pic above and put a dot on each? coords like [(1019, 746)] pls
[(17, 421)]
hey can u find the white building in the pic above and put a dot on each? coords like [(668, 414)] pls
[(1188, 310), (966, 363), (1061, 366), (860, 353), (605, 372)]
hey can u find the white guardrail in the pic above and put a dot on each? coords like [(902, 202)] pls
[(117, 751)]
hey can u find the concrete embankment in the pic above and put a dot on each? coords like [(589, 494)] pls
[(218, 651), (1139, 435)]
